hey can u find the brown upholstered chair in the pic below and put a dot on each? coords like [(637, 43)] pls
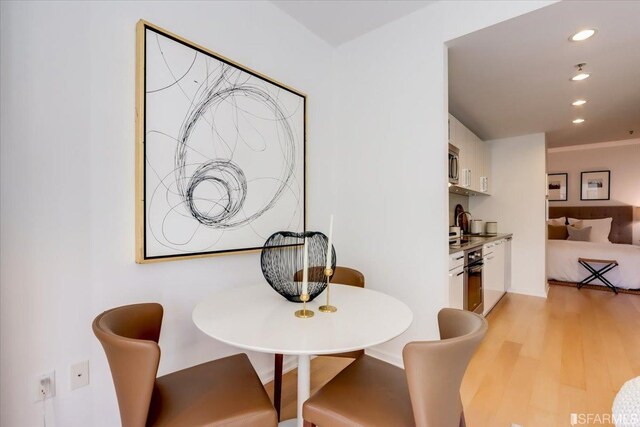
[(343, 276), (372, 393), (222, 392)]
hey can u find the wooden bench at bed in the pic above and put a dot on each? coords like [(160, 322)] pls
[(607, 266)]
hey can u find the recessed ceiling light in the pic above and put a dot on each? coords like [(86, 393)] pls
[(578, 102), (578, 121), (582, 35), (581, 74)]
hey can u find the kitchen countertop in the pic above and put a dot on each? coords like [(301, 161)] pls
[(476, 241)]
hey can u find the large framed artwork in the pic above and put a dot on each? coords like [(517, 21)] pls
[(557, 190), (220, 152), (595, 185)]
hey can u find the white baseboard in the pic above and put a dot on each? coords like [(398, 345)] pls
[(540, 294), (385, 357), (266, 375)]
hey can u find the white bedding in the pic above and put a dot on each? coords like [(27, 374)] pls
[(562, 262)]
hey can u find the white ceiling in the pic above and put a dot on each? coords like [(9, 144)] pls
[(338, 21), (513, 78)]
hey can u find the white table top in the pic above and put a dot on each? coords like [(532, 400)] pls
[(256, 317)]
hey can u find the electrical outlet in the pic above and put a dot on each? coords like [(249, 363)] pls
[(45, 386), (79, 375)]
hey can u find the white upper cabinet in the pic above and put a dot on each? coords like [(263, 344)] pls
[(474, 157), (486, 185), (483, 161), (470, 155)]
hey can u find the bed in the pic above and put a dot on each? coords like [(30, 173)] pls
[(562, 255)]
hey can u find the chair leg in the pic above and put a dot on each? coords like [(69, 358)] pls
[(463, 423), (277, 383)]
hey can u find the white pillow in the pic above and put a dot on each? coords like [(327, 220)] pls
[(557, 221), (600, 228)]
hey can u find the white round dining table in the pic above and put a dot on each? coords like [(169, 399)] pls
[(257, 318)]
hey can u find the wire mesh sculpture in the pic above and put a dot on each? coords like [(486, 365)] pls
[(282, 262)]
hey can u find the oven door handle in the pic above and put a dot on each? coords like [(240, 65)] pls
[(475, 268)]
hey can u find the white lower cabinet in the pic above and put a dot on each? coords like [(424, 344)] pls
[(456, 280), (496, 274), (493, 273), (507, 263)]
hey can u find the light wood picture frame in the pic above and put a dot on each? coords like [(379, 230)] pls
[(220, 152)]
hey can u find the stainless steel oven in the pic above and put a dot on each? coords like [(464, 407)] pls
[(454, 154), (473, 299)]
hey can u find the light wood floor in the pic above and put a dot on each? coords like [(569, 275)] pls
[(540, 361)]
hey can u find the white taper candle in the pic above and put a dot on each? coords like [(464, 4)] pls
[(329, 247), (305, 268)]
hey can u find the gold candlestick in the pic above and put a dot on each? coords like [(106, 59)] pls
[(304, 313), (328, 308)]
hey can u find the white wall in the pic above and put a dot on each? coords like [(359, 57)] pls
[(517, 202), (67, 190), (622, 158), (67, 176), (390, 160)]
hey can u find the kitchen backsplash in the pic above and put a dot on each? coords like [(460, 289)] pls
[(455, 199)]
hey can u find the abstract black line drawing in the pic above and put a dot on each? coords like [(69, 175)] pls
[(221, 152)]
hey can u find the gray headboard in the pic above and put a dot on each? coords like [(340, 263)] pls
[(621, 226)]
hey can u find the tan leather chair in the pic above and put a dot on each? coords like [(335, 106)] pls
[(373, 393), (222, 392), (343, 276)]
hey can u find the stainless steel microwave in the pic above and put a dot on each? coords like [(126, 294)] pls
[(454, 153)]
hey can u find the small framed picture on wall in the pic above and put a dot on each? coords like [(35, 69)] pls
[(595, 185), (557, 187)]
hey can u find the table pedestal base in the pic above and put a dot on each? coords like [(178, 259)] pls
[(304, 384), (304, 390)]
